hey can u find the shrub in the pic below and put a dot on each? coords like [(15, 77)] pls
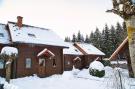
[(97, 73), (97, 69)]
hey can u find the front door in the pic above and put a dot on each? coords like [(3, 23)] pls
[(41, 67)]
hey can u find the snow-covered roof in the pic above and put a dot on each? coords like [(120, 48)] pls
[(71, 50), (90, 49), (4, 36), (35, 35), (9, 50)]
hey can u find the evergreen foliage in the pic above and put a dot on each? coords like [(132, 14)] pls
[(106, 40), (97, 73)]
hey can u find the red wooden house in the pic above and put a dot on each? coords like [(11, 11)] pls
[(40, 50), (85, 53), (72, 57), (90, 53)]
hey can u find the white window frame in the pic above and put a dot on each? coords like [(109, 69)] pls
[(42, 60), (28, 63), (1, 64)]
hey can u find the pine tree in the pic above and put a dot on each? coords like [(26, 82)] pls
[(113, 39), (106, 41), (97, 38), (87, 39), (119, 33), (67, 39), (74, 39), (79, 36), (82, 38), (91, 38)]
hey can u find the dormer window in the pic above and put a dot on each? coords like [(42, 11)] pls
[(31, 35), (1, 35)]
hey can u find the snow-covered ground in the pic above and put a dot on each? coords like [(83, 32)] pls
[(72, 80)]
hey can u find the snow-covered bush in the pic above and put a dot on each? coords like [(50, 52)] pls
[(97, 69)]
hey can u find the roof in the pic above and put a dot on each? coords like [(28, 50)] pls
[(34, 35), (121, 46), (72, 50), (44, 51), (89, 49), (4, 36)]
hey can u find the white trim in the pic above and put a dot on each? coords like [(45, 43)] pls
[(77, 58), (40, 53)]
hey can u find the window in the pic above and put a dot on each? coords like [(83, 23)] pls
[(1, 64), (31, 35), (68, 62), (1, 35), (28, 62), (54, 62), (41, 61)]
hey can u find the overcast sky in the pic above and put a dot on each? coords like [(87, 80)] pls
[(65, 17)]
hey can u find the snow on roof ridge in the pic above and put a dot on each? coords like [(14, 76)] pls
[(86, 49), (26, 25)]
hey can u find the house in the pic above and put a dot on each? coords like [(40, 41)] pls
[(122, 52), (80, 55), (90, 53), (72, 57), (4, 41), (40, 50)]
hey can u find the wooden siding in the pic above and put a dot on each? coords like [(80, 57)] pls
[(69, 59), (31, 51), (89, 59)]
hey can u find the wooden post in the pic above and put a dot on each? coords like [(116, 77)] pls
[(131, 39), (8, 70)]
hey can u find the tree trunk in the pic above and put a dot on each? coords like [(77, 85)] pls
[(130, 70), (8, 70), (131, 39)]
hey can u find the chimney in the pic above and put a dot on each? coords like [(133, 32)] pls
[(19, 21)]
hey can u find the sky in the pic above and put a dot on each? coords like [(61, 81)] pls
[(64, 17)]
